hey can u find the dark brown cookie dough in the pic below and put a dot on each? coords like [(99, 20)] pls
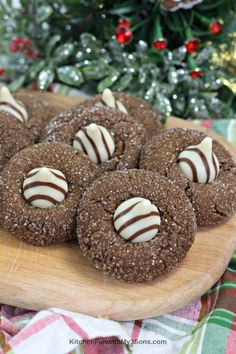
[(14, 136), (127, 134), (137, 108), (38, 226), (213, 202), (124, 260), (40, 113)]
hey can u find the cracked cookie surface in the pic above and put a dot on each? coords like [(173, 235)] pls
[(124, 260), (213, 202)]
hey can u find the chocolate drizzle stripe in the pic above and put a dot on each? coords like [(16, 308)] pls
[(93, 146), (103, 102), (54, 173), (126, 211), (58, 176), (43, 197), (204, 160), (105, 144), (191, 165), (137, 218), (144, 230), (32, 174), (77, 138), (3, 103), (214, 164), (44, 184)]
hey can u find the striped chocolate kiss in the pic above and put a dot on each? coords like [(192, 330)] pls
[(109, 100), (10, 105), (198, 163), (96, 142), (44, 187), (137, 220)]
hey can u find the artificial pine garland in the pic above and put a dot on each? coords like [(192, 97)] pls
[(159, 50)]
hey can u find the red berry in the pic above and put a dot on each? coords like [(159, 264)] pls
[(216, 27), (160, 44), (124, 23), (192, 45), (2, 71), (196, 73), (123, 35), (26, 42), (16, 40), (14, 47)]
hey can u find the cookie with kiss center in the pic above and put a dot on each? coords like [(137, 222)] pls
[(111, 139), (40, 190), (136, 107), (202, 167), (135, 225)]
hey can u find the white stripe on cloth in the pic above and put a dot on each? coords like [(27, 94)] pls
[(50, 331)]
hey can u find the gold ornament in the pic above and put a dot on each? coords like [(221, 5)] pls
[(225, 58)]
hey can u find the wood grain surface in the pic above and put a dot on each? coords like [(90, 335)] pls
[(59, 276)]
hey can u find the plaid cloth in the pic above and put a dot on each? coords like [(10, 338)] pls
[(207, 325)]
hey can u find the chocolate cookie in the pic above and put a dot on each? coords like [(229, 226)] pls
[(31, 112), (40, 190), (40, 113), (203, 168), (14, 137), (135, 225), (136, 107), (110, 138)]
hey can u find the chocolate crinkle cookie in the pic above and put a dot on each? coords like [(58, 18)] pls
[(135, 225), (200, 166), (30, 111), (39, 111), (136, 107), (40, 190), (111, 139), (14, 137)]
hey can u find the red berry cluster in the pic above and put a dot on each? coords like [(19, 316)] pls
[(2, 71), (123, 32), (25, 46)]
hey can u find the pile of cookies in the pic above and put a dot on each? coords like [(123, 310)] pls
[(106, 172)]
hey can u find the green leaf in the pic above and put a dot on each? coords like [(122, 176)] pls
[(87, 39), (70, 75), (43, 13), (51, 43), (45, 78), (108, 81), (95, 72), (16, 84), (63, 52), (123, 83), (35, 68)]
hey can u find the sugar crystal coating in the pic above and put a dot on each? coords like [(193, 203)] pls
[(213, 202), (129, 261)]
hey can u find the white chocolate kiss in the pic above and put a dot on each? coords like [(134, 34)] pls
[(10, 105), (109, 100), (198, 163), (137, 220), (96, 142), (44, 187)]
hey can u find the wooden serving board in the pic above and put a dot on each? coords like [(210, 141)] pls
[(59, 276)]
